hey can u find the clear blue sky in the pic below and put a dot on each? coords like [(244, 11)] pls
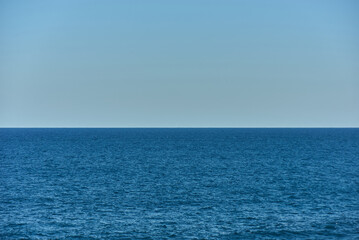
[(78, 63)]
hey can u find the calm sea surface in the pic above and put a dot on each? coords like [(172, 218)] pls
[(179, 183)]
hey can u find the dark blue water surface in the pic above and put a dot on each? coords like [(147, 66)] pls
[(179, 183)]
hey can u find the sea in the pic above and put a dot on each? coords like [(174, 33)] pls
[(179, 183)]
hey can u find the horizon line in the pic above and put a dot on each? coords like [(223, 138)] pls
[(173, 127)]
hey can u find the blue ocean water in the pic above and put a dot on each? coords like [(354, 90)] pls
[(179, 183)]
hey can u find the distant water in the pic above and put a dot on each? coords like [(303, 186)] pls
[(179, 183)]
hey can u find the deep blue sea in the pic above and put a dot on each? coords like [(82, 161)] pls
[(179, 183)]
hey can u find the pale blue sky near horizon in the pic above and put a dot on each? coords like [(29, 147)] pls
[(85, 63)]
